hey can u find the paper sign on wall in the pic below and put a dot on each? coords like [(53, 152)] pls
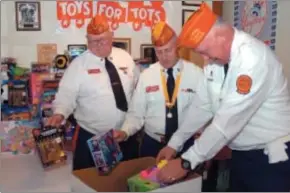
[(138, 13), (46, 53), (258, 18)]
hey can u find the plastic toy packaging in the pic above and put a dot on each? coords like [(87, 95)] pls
[(16, 136), (146, 180), (15, 113), (50, 146), (49, 90), (17, 93), (105, 151)]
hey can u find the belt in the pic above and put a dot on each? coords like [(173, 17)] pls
[(158, 137), (276, 149)]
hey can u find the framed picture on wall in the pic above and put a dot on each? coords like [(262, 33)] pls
[(123, 43), (147, 51), (192, 3), (186, 13), (27, 14), (76, 49)]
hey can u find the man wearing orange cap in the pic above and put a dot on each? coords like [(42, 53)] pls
[(96, 87), (249, 96), (163, 94)]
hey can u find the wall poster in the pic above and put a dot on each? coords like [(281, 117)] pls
[(258, 18)]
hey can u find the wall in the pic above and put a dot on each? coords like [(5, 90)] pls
[(283, 31), (22, 45)]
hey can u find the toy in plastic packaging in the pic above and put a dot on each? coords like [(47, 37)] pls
[(40, 68), (16, 136), (49, 90), (15, 113), (105, 152), (50, 146), (17, 93), (146, 180)]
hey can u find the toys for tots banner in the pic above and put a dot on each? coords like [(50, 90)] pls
[(138, 13), (257, 17)]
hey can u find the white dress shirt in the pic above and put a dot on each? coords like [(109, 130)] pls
[(148, 103), (244, 121), (86, 91)]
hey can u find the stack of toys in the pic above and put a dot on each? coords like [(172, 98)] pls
[(146, 180), (105, 152), (26, 101)]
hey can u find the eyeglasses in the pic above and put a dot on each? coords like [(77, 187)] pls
[(100, 42), (164, 51)]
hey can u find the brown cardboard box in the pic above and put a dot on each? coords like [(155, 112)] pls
[(117, 180)]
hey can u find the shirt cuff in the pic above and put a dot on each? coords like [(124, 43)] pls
[(61, 112), (127, 133), (192, 157), (175, 143)]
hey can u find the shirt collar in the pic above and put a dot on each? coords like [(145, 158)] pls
[(238, 40), (110, 57), (176, 67)]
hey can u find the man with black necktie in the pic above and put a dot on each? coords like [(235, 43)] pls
[(162, 96), (96, 88)]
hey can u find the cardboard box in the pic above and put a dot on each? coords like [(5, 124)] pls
[(88, 179)]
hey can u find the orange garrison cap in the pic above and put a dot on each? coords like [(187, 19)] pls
[(197, 27), (98, 25), (161, 34)]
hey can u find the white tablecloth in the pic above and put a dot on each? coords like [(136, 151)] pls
[(25, 174)]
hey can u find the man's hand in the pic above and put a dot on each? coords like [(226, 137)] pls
[(119, 135), (172, 172), (167, 153), (55, 120)]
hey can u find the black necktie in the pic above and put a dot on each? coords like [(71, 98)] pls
[(226, 68), (171, 121), (117, 87)]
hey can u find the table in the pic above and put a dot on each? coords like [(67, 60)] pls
[(24, 173)]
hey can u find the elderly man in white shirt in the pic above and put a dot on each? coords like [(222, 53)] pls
[(164, 92), (250, 108), (96, 87)]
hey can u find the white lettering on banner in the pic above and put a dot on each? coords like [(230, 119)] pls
[(138, 13)]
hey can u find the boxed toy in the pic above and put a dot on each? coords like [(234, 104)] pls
[(49, 90), (50, 146), (15, 113), (7, 66), (40, 68), (17, 93), (105, 151), (36, 85), (16, 136), (146, 180)]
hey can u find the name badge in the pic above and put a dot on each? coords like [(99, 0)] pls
[(188, 90), (94, 71), (152, 88)]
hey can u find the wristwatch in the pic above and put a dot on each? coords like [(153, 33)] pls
[(185, 164)]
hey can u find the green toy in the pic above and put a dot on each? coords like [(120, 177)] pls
[(19, 71), (146, 180), (139, 184)]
